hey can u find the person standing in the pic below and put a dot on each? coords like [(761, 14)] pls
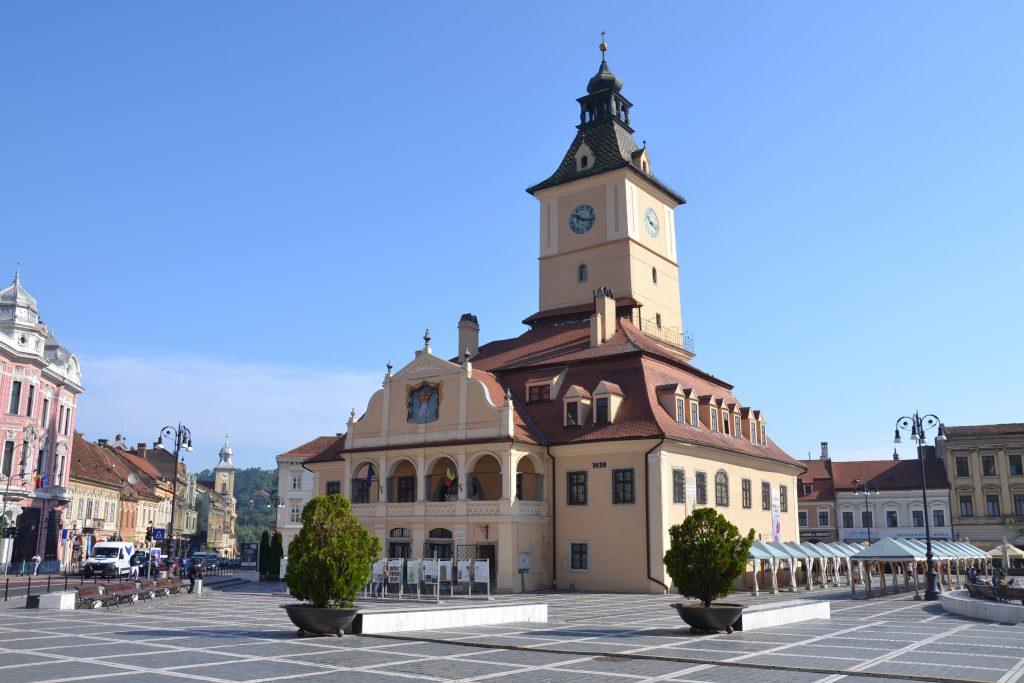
[(195, 573), (36, 560)]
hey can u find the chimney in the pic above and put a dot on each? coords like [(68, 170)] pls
[(101, 442), (603, 322), (469, 335), (140, 447), (895, 455), (824, 450)]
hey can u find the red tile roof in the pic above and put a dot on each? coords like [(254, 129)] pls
[(1014, 429), (889, 475), (89, 462), (311, 448), (330, 452), (819, 476)]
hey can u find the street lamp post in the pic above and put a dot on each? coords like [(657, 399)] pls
[(182, 439), (865, 489), (917, 425)]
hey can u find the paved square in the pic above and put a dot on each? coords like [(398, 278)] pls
[(241, 634)]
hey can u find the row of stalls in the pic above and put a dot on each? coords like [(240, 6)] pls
[(824, 564)]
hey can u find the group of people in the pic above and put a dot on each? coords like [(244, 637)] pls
[(998, 577)]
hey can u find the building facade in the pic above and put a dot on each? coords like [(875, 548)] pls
[(816, 515), (40, 381), (295, 485), (568, 452), (216, 503), (894, 506), (986, 469)]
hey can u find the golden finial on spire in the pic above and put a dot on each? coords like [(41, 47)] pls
[(603, 46)]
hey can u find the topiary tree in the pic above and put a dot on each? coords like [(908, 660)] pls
[(276, 553), (706, 555), (264, 553), (332, 556)]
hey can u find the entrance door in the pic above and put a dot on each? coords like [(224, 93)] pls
[(28, 535), (489, 552), (399, 549)]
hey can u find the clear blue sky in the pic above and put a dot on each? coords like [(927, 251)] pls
[(237, 212)]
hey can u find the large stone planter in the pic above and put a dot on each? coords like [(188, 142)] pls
[(326, 621), (719, 617)]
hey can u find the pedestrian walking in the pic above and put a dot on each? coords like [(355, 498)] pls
[(195, 573), (36, 560)]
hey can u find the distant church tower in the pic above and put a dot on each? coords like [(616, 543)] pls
[(224, 472)]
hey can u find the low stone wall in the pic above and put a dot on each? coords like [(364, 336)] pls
[(959, 602), (779, 613), (427, 618)]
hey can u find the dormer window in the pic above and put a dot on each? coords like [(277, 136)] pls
[(584, 157), (725, 422), (694, 421), (764, 437), (581, 273), (714, 419), (572, 414), (538, 392), (576, 404), (584, 162), (607, 401), (739, 430), (601, 413), (680, 411), (647, 168)]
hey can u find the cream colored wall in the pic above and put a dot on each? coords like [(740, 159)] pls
[(85, 490), (559, 285)]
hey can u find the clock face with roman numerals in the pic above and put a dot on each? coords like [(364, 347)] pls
[(582, 219)]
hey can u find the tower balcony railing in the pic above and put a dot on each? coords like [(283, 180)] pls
[(669, 335)]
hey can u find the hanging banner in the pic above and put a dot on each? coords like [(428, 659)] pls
[(776, 518)]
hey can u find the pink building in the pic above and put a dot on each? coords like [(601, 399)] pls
[(39, 385)]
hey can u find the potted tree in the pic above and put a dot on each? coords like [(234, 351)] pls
[(328, 562), (706, 555)]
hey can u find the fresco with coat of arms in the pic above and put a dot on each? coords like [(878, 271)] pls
[(423, 402)]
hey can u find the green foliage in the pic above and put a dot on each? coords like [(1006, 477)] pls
[(255, 513), (332, 557), (276, 554), (264, 553), (706, 555)]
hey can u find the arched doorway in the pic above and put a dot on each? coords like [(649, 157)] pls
[(443, 481), (438, 544), (529, 483), (401, 485), (365, 486), (485, 481)]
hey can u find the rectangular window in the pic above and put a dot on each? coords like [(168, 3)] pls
[(725, 422), (783, 498), (823, 518), (31, 400), (1018, 504), (622, 487), (15, 398), (702, 488), (296, 482), (657, 320), (88, 510), (81, 507), (41, 461), (572, 413), (721, 489), (714, 419), (747, 494), (67, 422), (988, 465), (865, 519), (962, 467), (938, 518), (890, 519), (7, 464), (738, 432), (966, 506), (917, 517), (766, 496), (539, 392), (680, 411), (295, 514), (406, 490), (808, 489), (579, 559), (576, 488), (764, 436), (333, 487), (60, 419), (694, 422), (678, 485), (46, 413), (601, 413), (1015, 465), (992, 506), (847, 520), (801, 517)]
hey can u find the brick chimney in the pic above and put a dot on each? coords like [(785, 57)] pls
[(824, 450), (101, 442), (895, 455)]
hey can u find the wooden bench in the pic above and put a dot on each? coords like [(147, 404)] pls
[(92, 597), (126, 592), (153, 586), (169, 586)]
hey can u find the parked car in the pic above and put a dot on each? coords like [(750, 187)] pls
[(110, 559)]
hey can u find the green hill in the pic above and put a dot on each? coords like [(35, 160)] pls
[(255, 512)]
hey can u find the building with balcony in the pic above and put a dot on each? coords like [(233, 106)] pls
[(40, 381), (897, 510), (986, 470), (295, 485), (571, 449)]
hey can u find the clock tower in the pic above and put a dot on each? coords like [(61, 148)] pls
[(224, 472), (607, 221)]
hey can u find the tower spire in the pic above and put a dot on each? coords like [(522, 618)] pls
[(603, 47)]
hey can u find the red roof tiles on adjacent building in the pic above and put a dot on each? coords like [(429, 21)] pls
[(891, 475), (311, 448), (1014, 428)]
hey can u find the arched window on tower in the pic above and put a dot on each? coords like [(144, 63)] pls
[(581, 273), (584, 162)]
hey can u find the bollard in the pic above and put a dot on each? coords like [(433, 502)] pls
[(65, 582), (29, 585), (48, 577), (7, 587)]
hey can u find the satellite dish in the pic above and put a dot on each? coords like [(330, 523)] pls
[(133, 478)]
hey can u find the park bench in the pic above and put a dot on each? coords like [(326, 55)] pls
[(126, 592), (170, 585), (92, 597), (153, 587)]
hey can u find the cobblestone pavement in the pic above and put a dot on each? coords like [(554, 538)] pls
[(242, 635)]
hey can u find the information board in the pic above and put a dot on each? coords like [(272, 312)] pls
[(463, 571), (412, 571), (482, 571), (395, 571)]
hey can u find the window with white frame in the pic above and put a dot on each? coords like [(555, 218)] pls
[(736, 422), (823, 519), (694, 421), (891, 519), (714, 419), (680, 411), (295, 513), (296, 482)]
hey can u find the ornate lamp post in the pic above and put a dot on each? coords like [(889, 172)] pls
[(917, 425), (865, 489), (182, 440)]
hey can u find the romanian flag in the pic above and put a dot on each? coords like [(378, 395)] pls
[(449, 476)]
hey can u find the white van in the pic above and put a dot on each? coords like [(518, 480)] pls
[(109, 559)]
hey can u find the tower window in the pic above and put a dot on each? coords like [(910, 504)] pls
[(581, 273), (654, 275), (584, 161)]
